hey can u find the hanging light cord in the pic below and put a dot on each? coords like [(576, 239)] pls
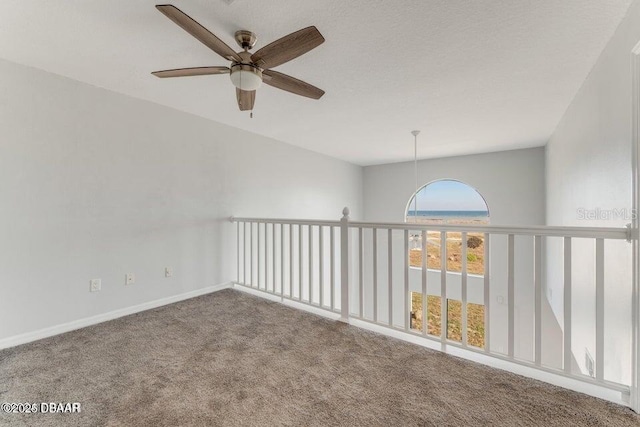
[(415, 169)]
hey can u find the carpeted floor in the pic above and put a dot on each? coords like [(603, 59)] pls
[(233, 359)]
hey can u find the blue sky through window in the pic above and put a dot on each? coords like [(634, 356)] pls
[(449, 195)]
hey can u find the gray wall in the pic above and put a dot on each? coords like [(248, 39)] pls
[(589, 167), (96, 185), (512, 183)]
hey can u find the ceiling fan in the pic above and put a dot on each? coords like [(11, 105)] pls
[(248, 71)]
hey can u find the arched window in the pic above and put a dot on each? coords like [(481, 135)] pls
[(448, 201)]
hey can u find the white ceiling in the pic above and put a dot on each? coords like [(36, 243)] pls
[(474, 76)]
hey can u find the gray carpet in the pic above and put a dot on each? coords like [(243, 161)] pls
[(233, 359)]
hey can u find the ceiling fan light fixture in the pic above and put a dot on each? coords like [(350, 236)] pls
[(246, 77)]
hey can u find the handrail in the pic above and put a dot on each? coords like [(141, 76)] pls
[(542, 230), (322, 222), (620, 233)]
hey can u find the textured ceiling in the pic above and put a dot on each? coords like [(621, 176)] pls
[(474, 76)]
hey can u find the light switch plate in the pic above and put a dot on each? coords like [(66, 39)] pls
[(95, 285)]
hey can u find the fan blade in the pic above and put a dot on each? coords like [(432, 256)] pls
[(291, 84), (288, 48), (246, 99), (195, 71), (198, 31)]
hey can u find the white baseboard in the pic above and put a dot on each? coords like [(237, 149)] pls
[(289, 303), (93, 320), (594, 390)]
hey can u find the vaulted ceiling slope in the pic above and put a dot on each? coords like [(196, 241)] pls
[(474, 76)]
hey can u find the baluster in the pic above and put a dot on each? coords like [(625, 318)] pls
[(600, 310), (238, 252), (487, 293), (321, 264), (344, 266), (567, 305), (332, 266), (273, 257), (443, 289), (291, 277), (258, 255), (424, 282), (360, 274), (266, 257), (282, 260), (407, 297), (300, 263), (537, 274), (251, 267), (390, 271), (463, 278), (511, 296), (310, 285), (244, 257), (375, 275)]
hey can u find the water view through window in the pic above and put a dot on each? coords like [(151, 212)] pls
[(448, 202)]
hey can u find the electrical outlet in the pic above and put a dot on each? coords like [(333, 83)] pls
[(95, 285), (129, 279), (168, 272), (500, 299), (589, 363)]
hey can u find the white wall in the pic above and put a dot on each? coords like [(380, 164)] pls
[(95, 185), (512, 183), (589, 167)]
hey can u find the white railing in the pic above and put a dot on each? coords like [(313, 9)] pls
[(339, 267), (278, 256)]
